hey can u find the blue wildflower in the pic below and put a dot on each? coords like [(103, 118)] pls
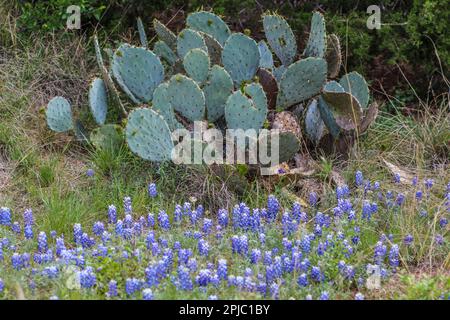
[(5, 216), (393, 256), (203, 247), (359, 178), (112, 289), (302, 280), (163, 220), (87, 278), (147, 294), (90, 172), (272, 208), (127, 208), (324, 296), (42, 242), (132, 285), (152, 192), (313, 199), (112, 214), (408, 240)]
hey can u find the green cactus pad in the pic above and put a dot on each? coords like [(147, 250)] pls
[(142, 34), (148, 135), (302, 80), (280, 37), (138, 71), (98, 100), (345, 108), (186, 97), (214, 49), (107, 137), (328, 118), (333, 86), (314, 125), (266, 58), (164, 34), (59, 114), (245, 113), (209, 23), (270, 86), (189, 39), (162, 105), (288, 145), (98, 53), (217, 90), (355, 84), (333, 55), (196, 63), (163, 51), (317, 42), (278, 72), (240, 57)]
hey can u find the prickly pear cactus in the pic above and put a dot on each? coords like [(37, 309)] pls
[(162, 105), (148, 135), (270, 86), (285, 121), (209, 23), (288, 145), (164, 34), (314, 125), (245, 113), (214, 49), (266, 58), (217, 90), (196, 63), (107, 137), (280, 37), (186, 97), (355, 84), (59, 115), (240, 57), (138, 71), (142, 34), (326, 112), (317, 42), (163, 51), (333, 55), (301, 80), (345, 108), (278, 72), (189, 39), (98, 100)]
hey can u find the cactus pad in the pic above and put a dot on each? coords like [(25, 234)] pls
[(214, 49), (278, 72), (186, 97), (138, 71), (196, 63), (345, 108), (162, 105), (314, 125), (245, 113), (164, 34), (288, 145), (280, 37), (107, 137), (142, 34), (266, 58), (302, 80), (59, 115), (317, 42), (148, 135), (217, 90), (240, 57), (98, 100), (270, 86), (189, 39), (333, 55), (209, 23), (355, 84), (163, 51)]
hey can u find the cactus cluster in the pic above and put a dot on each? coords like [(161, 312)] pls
[(208, 73)]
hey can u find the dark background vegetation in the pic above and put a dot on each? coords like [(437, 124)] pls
[(412, 49)]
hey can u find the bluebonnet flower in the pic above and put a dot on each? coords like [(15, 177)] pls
[(77, 233), (151, 276), (429, 183), (367, 210), (203, 278), (223, 217), (393, 256), (296, 211), (112, 289), (192, 264), (16, 227), (86, 241), (324, 296), (207, 225), (408, 240), (359, 296), (359, 178), (376, 185), (243, 244), (112, 214), (16, 261), (184, 278), (28, 218), (419, 195), (203, 247), (151, 220), (439, 239), (306, 244), (152, 192), (90, 172), (98, 228), (178, 214), (163, 220), (222, 269), (255, 256), (379, 252), (443, 222), (147, 294), (2, 286), (423, 213), (87, 278), (342, 191), (262, 238), (28, 231), (5, 216), (313, 199), (397, 178), (302, 280), (132, 285), (127, 208), (316, 274), (42, 242), (272, 208), (51, 272), (275, 290)]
